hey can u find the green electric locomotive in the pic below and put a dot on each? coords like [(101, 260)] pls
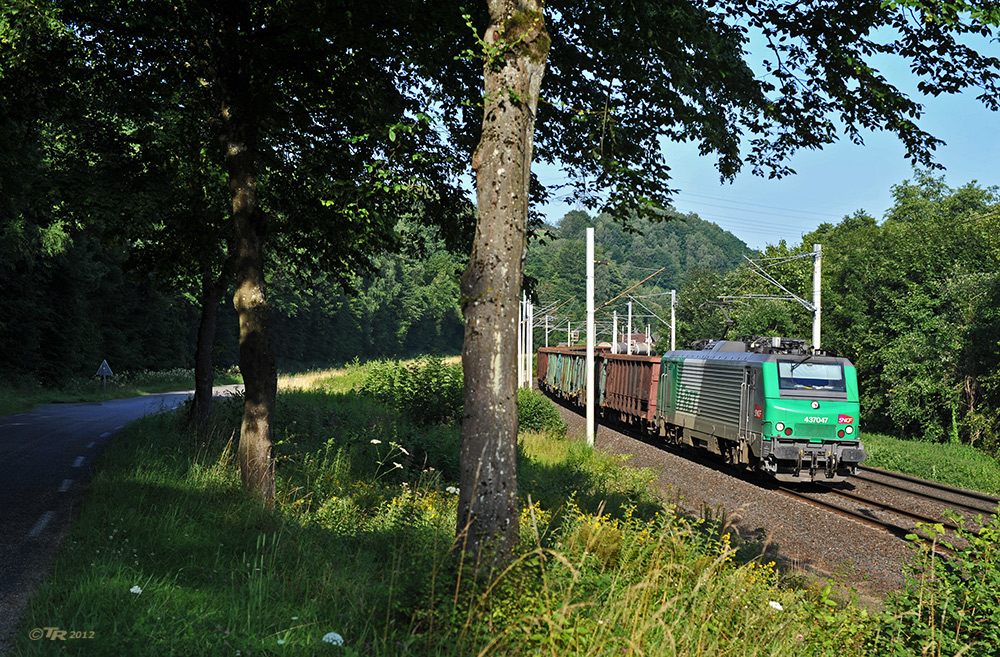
[(770, 405)]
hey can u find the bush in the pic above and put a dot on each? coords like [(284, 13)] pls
[(535, 412), (949, 606), (427, 391)]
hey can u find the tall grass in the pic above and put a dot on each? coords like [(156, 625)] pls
[(948, 463), (170, 557)]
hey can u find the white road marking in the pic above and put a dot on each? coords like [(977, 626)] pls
[(66, 485), (78, 462), (40, 525), (106, 434)]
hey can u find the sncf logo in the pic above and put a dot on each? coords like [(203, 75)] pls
[(758, 412), (845, 419)]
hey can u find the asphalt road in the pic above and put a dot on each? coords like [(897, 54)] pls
[(47, 458)]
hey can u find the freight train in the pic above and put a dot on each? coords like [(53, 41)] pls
[(767, 405)]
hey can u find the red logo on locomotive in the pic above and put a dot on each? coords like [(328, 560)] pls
[(758, 412), (845, 419)]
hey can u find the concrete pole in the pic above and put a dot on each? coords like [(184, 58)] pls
[(591, 338), (628, 338), (520, 342), (530, 356), (614, 333), (817, 306), (673, 320)]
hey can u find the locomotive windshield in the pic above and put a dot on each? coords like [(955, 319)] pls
[(804, 375)]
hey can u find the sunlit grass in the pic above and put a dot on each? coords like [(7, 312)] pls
[(948, 463)]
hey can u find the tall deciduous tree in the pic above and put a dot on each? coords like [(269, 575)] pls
[(318, 141), (624, 76), (515, 46)]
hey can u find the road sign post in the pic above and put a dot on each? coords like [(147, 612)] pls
[(104, 371)]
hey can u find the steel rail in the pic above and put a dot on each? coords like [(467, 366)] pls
[(933, 484)]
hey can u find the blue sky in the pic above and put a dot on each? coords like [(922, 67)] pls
[(829, 184)]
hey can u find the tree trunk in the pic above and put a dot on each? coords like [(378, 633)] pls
[(239, 99), (491, 285), (257, 366), (204, 365), (204, 369)]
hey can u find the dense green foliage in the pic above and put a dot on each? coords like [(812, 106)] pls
[(66, 312), (410, 306), (427, 391), (913, 301), (63, 312), (951, 605), (536, 413)]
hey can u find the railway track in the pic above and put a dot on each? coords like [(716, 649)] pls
[(865, 518), (965, 502), (912, 501), (889, 501)]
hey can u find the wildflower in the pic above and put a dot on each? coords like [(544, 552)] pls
[(452, 490), (776, 605), (397, 465), (376, 441), (135, 589), (334, 638), (403, 450)]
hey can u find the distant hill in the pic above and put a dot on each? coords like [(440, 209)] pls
[(681, 244)]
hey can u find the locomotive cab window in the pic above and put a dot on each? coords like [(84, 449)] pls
[(811, 377)]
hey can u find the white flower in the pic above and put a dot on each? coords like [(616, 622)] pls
[(376, 441), (334, 638), (403, 450), (776, 605), (135, 589), (397, 465), (452, 490)]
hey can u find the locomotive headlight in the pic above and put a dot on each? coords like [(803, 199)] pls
[(780, 426), (815, 405), (849, 429)]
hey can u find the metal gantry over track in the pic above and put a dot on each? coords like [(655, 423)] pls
[(815, 307)]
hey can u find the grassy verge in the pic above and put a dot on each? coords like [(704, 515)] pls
[(21, 396), (952, 464), (169, 557)]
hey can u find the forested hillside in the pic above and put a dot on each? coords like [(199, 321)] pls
[(67, 304), (682, 245)]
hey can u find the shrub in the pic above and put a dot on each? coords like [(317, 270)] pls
[(949, 606), (535, 412), (427, 391)]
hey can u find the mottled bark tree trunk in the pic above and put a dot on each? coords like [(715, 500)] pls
[(240, 97), (491, 285), (257, 365)]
